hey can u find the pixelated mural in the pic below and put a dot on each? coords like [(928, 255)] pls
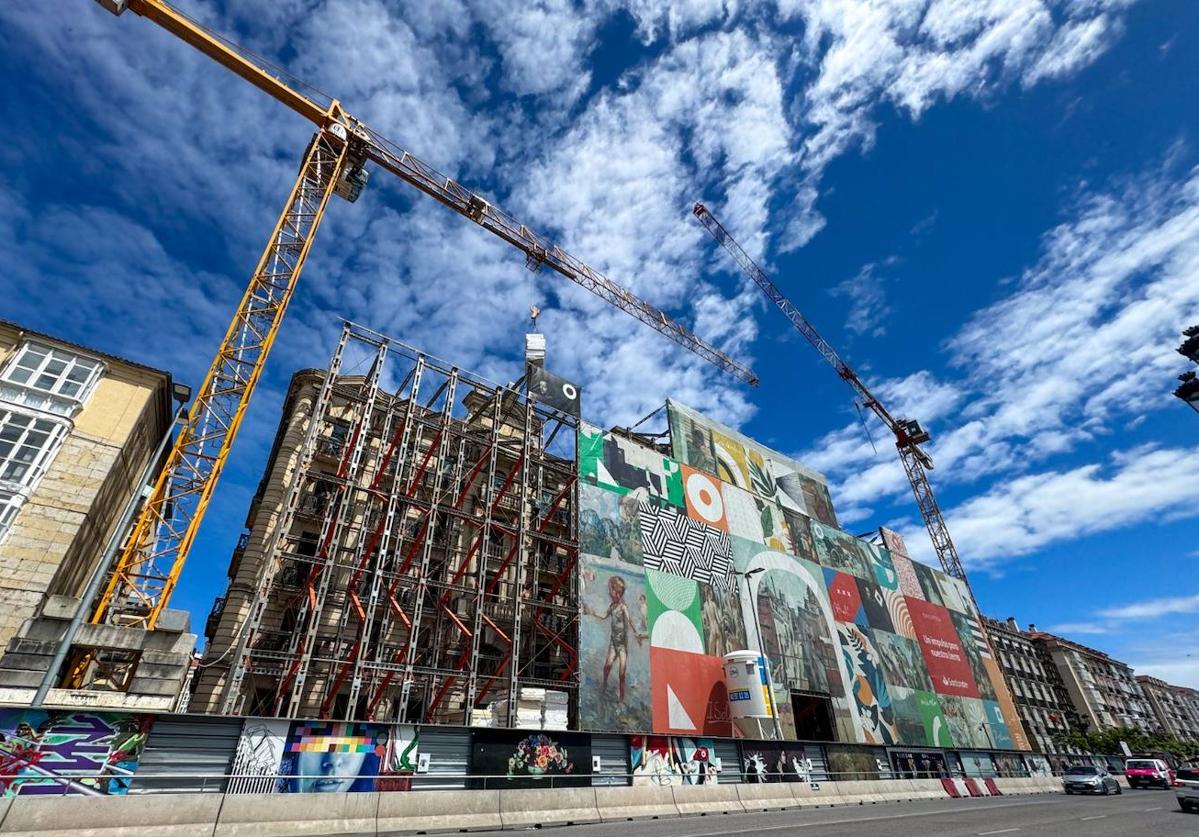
[(347, 757)]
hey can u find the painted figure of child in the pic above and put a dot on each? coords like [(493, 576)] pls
[(621, 624)]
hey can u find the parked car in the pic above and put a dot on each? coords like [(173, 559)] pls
[(1083, 778), (1148, 773), (1186, 788)]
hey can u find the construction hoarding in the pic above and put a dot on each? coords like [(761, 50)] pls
[(726, 545)]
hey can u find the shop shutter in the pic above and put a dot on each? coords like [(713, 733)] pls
[(448, 749), (613, 752), (730, 761), (187, 753)]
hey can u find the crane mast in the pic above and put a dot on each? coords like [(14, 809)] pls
[(909, 435), (152, 559)]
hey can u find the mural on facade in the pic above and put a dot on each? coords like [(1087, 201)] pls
[(614, 673), (671, 760), (88, 753), (609, 526), (512, 759), (709, 446), (895, 645)]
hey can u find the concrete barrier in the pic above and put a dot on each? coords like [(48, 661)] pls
[(169, 815), (640, 802), (895, 790), (772, 797), (4, 803), (551, 806), (296, 814), (927, 789), (826, 793), (861, 792), (707, 799), (433, 811)]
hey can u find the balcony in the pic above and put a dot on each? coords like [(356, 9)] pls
[(214, 618)]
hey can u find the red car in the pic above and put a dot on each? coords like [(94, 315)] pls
[(1148, 772)]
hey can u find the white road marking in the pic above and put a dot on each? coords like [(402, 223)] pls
[(1096, 817), (953, 811), (1000, 831), (1158, 808)]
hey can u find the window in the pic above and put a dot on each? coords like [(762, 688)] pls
[(27, 444), (10, 504), (50, 379)]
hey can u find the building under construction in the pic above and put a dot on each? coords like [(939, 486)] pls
[(411, 549)]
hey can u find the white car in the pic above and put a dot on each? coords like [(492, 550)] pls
[(1186, 788)]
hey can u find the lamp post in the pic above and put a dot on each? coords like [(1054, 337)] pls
[(762, 658)]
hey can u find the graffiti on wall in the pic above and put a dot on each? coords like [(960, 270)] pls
[(663, 760), (89, 753)]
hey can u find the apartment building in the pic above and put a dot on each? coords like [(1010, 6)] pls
[(77, 428), (1104, 691), (1037, 689), (1176, 707)]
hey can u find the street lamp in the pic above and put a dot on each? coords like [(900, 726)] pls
[(762, 658)]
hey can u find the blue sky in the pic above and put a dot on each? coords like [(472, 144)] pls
[(991, 208)]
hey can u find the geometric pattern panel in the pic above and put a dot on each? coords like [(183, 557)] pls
[(675, 544), (711, 447), (704, 503), (689, 695)]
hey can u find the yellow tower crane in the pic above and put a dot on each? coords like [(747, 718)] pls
[(334, 164)]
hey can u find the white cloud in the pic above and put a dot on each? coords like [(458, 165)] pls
[(1018, 516), (1154, 608), (1068, 628), (868, 308), (726, 108), (1081, 346)]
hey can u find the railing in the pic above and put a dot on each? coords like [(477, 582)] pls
[(116, 781)]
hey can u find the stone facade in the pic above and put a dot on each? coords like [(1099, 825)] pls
[(68, 506), (1104, 691), (1176, 707), (1037, 689)]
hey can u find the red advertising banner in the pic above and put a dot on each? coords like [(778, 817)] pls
[(947, 662)]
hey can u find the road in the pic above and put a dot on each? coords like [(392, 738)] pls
[(1134, 812)]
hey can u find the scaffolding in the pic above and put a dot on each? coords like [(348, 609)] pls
[(423, 560)]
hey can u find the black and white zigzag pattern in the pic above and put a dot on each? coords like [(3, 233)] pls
[(673, 543), (980, 639)]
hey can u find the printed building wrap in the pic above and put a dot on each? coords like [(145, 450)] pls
[(679, 546)]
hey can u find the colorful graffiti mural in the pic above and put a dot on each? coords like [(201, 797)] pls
[(87, 753), (662, 760), (730, 546)]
